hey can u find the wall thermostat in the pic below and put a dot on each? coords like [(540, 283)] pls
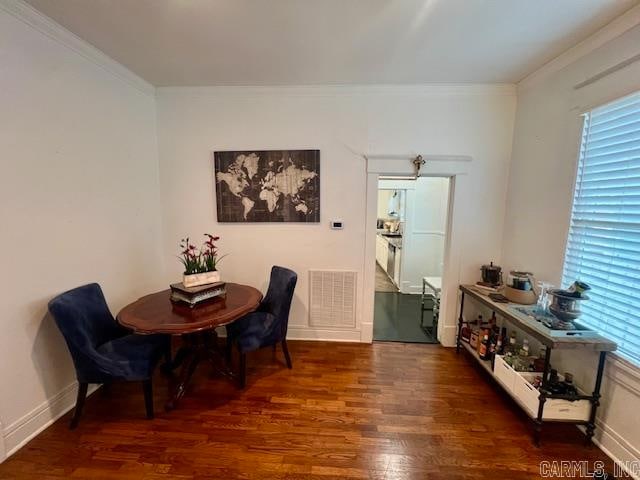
[(336, 224)]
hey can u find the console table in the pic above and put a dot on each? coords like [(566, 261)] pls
[(578, 410)]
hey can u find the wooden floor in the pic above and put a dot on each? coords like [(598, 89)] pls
[(382, 411), (383, 282)]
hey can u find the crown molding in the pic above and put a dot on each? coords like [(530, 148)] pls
[(45, 25), (618, 26), (411, 156), (345, 90)]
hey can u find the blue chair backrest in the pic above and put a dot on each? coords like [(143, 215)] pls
[(278, 299), (83, 317)]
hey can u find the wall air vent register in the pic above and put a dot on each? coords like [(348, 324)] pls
[(332, 302)]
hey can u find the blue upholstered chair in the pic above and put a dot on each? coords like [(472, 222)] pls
[(267, 326), (101, 349)]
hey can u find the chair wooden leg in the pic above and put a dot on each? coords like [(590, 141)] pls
[(106, 389), (147, 387), (287, 357), (242, 378), (82, 395), (168, 354), (167, 365), (228, 350)]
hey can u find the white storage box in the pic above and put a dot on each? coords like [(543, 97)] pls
[(554, 408), (504, 373)]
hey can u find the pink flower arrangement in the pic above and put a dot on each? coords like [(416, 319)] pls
[(200, 260)]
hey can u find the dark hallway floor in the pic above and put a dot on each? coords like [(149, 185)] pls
[(397, 319)]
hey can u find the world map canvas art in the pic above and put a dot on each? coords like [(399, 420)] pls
[(268, 185)]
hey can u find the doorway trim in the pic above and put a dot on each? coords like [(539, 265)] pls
[(456, 168)]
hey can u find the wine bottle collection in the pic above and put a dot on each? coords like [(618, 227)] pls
[(489, 340)]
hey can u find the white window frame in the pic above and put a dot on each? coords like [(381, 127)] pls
[(626, 361)]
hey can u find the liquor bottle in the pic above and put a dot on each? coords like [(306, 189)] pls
[(493, 320), (537, 381), (465, 332), (499, 346), (503, 340), (513, 344), (493, 341), (483, 349), (555, 386), (483, 331), (473, 338), (524, 350), (568, 384), (540, 361)]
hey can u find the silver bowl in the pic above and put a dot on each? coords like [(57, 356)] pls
[(566, 302), (564, 315)]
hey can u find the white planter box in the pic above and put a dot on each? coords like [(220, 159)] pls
[(518, 384), (197, 279), (554, 408), (504, 373)]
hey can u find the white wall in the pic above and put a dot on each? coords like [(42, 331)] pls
[(79, 202), (546, 141), (344, 123), (383, 203)]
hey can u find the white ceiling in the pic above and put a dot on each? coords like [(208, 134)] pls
[(299, 42)]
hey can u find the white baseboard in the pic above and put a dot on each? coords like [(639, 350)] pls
[(332, 335), (614, 446), (3, 450), (621, 376), (366, 332), (318, 334), (20, 432), (448, 335)]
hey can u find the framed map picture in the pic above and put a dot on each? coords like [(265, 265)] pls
[(268, 185)]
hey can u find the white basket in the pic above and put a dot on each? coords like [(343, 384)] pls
[(504, 373), (554, 408)]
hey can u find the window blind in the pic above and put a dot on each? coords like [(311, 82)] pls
[(603, 247)]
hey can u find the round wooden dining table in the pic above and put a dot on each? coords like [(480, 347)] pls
[(156, 313)]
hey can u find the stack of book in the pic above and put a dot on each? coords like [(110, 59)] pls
[(195, 295)]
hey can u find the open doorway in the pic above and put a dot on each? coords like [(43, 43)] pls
[(411, 237)]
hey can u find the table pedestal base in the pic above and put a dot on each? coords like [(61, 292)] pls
[(197, 347)]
